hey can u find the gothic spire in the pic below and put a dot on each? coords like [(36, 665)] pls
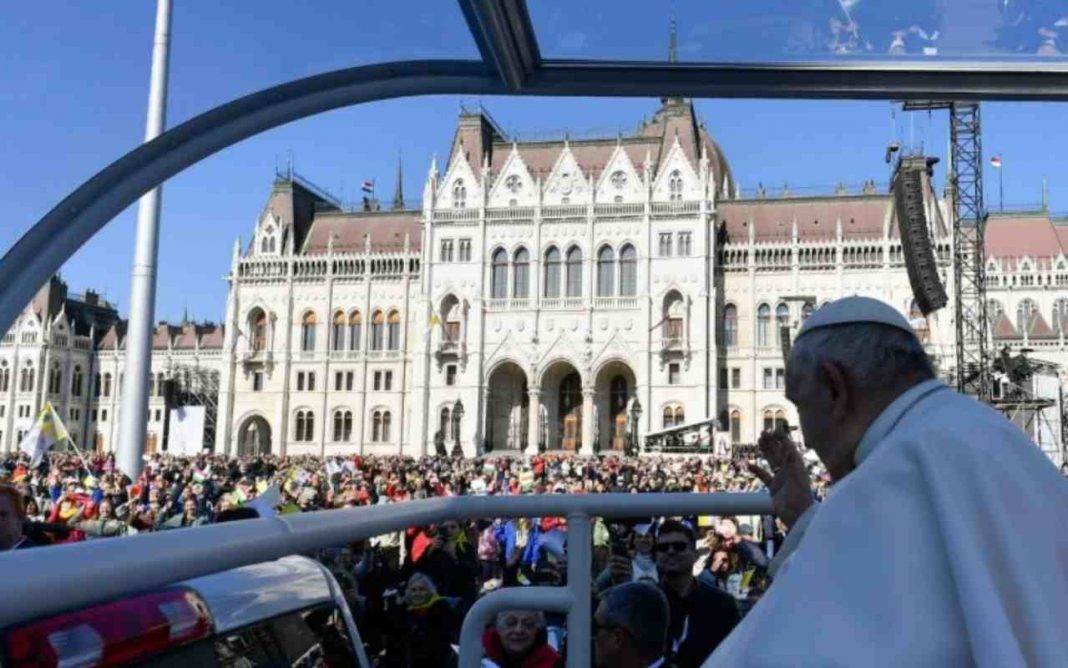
[(398, 190), (673, 42)]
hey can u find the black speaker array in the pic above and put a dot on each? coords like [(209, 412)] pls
[(920, 261)]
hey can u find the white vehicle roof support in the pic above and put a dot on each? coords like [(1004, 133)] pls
[(65, 577)]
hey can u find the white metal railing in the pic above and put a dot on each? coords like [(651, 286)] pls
[(66, 577), (29, 337), (455, 215), (383, 354)]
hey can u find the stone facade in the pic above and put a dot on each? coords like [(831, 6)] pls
[(546, 288)]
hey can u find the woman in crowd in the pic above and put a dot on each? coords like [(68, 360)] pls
[(518, 640)]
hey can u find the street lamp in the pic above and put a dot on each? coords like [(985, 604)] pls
[(457, 416), (635, 415)]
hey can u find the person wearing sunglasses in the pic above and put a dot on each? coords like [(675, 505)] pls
[(630, 627), (700, 615)]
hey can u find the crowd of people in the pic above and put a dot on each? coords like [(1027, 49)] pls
[(412, 588)]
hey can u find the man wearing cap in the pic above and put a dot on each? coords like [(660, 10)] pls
[(917, 556)]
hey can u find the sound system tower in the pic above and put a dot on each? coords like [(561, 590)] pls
[(920, 260)]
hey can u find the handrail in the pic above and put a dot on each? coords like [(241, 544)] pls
[(64, 577)]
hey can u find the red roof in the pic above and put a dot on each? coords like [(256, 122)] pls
[(1003, 328), (1031, 234), (863, 217), (387, 231)]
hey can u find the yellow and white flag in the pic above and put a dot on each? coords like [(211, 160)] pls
[(46, 432)]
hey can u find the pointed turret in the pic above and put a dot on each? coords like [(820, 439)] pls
[(398, 189)]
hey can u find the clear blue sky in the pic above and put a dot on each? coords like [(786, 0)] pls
[(73, 88)]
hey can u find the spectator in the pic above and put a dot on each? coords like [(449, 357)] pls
[(701, 616), (12, 516), (423, 627), (630, 627), (518, 639), (637, 562), (105, 524), (450, 562)]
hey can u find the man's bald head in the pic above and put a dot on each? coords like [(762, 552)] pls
[(842, 376)]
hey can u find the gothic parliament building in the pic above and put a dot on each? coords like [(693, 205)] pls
[(548, 295)]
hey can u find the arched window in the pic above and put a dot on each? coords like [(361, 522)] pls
[(673, 416), (674, 316), (96, 385), (264, 245), (675, 186), (451, 317), (782, 318), (342, 426), (304, 426), (107, 384), (159, 384), (76, 382), (521, 273), (994, 309), (459, 194), (380, 423), (606, 272), (5, 377), (628, 271), (307, 332), (763, 325), (774, 419), (552, 272), (393, 330), (499, 277), (337, 332), (730, 325), (378, 330), (1060, 315), (736, 426), (1025, 310), (151, 384), (26, 379), (806, 311), (355, 327), (54, 379), (258, 325), (574, 272)]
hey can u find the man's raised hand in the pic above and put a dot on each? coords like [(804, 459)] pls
[(790, 486)]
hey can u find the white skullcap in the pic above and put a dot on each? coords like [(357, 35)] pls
[(849, 310)]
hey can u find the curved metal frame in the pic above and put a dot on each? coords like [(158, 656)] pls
[(60, 233)]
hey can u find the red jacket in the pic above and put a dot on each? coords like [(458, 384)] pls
[(543, 656)]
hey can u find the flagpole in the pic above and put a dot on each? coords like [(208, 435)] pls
[(1001, 188)]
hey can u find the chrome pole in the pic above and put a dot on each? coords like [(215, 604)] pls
[(133, 411)]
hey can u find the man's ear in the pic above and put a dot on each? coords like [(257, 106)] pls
[(838, 390)]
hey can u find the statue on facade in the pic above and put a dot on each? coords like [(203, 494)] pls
[(439, 444)]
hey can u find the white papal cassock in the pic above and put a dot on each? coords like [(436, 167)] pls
[(946, 546)]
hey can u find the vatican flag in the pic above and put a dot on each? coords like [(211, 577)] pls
[(46, 432), (434, 319)]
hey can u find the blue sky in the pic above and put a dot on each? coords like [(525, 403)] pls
[(73, 87)]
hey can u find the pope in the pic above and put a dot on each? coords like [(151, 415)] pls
[(944, 539)]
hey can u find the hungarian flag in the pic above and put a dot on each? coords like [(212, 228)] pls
[(995, 162), (369, 187), (46, 432)]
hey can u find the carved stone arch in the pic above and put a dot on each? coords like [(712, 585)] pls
[(567, 183), (609, 186), (676, 160), (460, 169), (502, 193)]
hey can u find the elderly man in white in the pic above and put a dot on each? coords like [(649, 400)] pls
[(944, 541)]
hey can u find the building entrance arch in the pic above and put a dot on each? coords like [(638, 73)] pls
[(254, 437), (506, 414), (562, 388), (616, 387)]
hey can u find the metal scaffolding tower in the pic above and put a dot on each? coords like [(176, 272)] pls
[(969, 255), (972, 371)]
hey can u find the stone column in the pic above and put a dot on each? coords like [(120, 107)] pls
[(533, 418), (588, 394)]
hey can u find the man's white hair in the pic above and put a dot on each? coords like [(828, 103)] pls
[(874, 355)]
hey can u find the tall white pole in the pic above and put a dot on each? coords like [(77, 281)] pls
[(134, 408)]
